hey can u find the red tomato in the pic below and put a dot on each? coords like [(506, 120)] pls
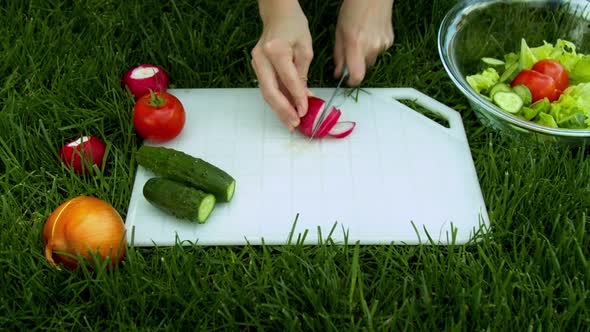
[(554, 69), (541, 85), (159, 117)]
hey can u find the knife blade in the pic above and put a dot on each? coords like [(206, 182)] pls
[(329, 103)]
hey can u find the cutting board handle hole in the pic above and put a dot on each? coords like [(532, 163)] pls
[(426, 112)]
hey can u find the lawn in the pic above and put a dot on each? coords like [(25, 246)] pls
[(60, 69)]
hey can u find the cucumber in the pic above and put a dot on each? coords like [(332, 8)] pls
[(524, 93), (498, 87), (508, 101), (492, 61), (497, 64), (196, 172), (510, 73), (178, 199)]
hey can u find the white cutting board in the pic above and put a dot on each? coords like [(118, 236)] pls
[(400, 177)]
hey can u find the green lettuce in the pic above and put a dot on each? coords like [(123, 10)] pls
[(547, 120), (581, 71), (572, 109), (484, 80), (563, 51)]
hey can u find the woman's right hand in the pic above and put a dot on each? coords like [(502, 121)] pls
[(281, 59)]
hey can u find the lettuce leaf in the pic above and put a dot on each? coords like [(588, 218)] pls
[(581, 71), (572, 109), (483, 81), (563, 51), (547, 120)]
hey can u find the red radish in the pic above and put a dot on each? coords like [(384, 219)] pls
[(315, 108), (145, 78), (92, 148), (342, 129)]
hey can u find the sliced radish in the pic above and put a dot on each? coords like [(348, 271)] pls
[(329, 121), (314, 108), (145, 78), (342, 129), (309, 121)]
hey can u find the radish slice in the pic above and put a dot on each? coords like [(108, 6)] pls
[(314, 109), (329, 121), (342, 129)]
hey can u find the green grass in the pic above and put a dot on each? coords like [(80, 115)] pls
[(60, 69)]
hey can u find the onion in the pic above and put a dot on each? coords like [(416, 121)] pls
[(315, 108), (84, 227), (89, 147), (146, 78)]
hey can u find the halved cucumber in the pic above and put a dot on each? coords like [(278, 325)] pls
[(497, 64), (508, 101), (179, 199), (524, 92), (499, 87), (492, 61), (510, 73)]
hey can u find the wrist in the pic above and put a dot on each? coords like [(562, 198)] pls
[(374, 5), (270, 9)]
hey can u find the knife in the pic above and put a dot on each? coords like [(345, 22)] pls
[(329, 104)]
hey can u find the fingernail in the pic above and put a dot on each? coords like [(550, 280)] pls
[(294, 122), (300, 110)]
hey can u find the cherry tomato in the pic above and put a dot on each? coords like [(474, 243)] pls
[(554, 69), (158, 117), (541, 85)]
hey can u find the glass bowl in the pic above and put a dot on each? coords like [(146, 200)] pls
[(475, 29)]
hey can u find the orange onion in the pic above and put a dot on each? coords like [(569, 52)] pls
[(84, 227)]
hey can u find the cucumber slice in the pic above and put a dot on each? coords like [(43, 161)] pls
[(524, 92), (510, 73), (499, 87), (508, 101), (497, 64), (492, 61)]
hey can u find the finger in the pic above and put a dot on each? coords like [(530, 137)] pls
[(302, 56), (302, 59), (371, 57), (281, 58), (269, 87), (338, 56), (355, 60)]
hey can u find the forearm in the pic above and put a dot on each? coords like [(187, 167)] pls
[(273, 8)]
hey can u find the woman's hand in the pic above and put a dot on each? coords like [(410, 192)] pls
[(363, 31), (281, 59)]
